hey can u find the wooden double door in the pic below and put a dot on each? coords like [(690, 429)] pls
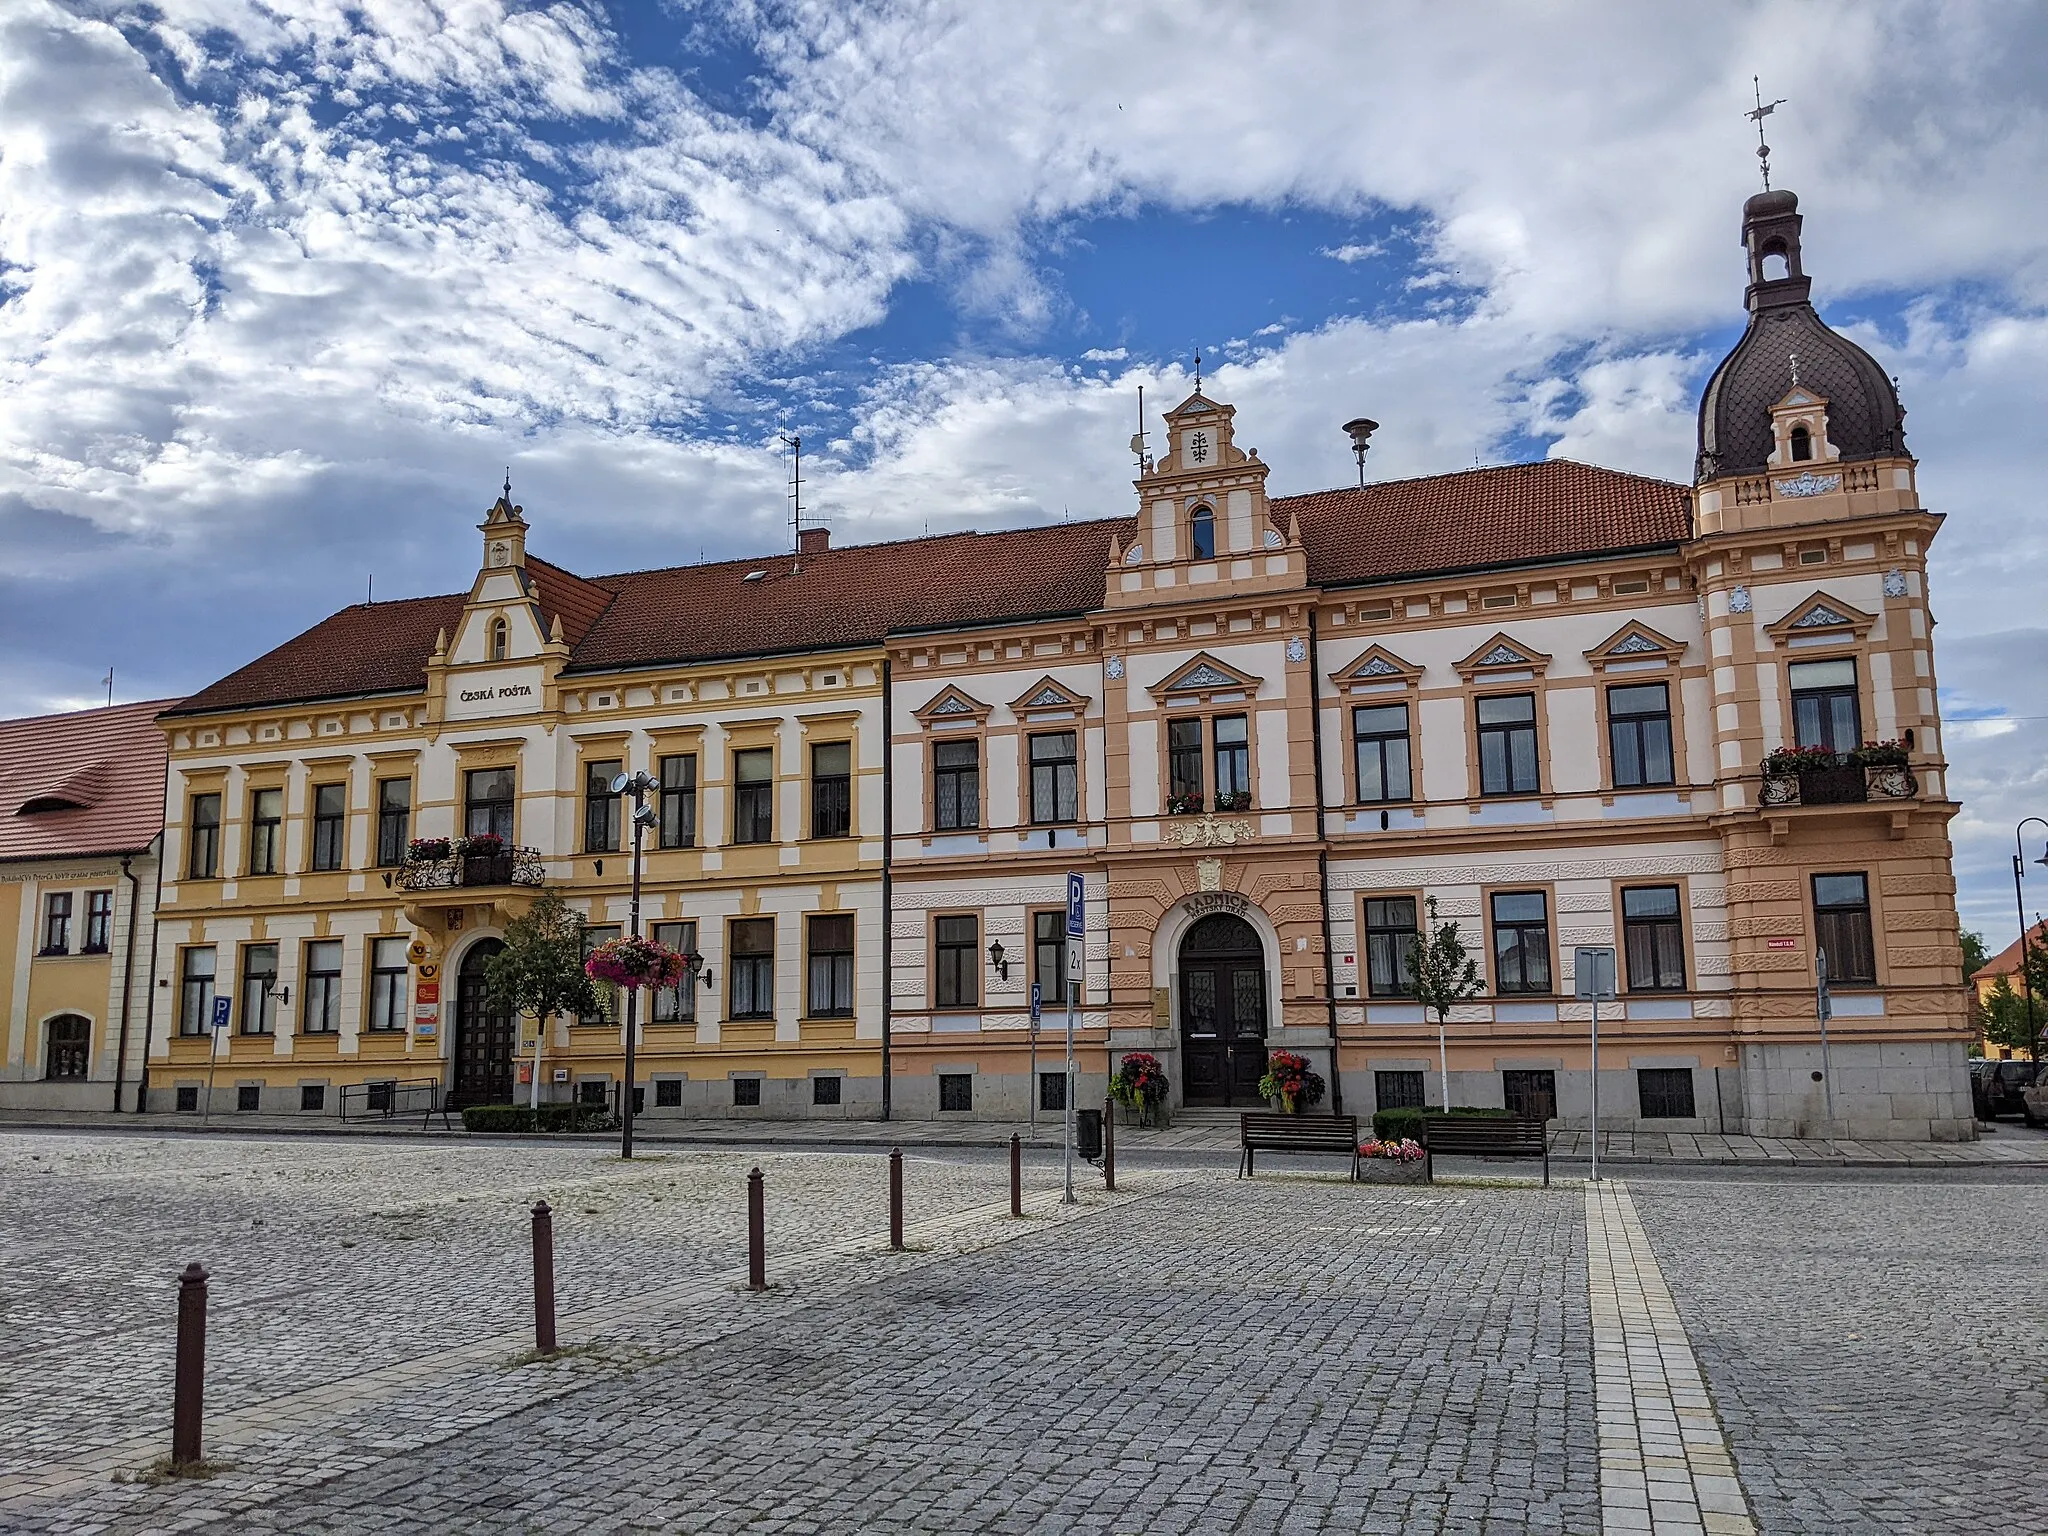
[(1222, 1012), (483, 1035)]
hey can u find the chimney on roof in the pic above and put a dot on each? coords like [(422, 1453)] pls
[(813, 541)]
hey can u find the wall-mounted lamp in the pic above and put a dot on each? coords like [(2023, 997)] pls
[(694, 964), (282, 996), (600, 866), (995, 958)]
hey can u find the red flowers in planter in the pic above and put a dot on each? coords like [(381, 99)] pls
[(630, 962)]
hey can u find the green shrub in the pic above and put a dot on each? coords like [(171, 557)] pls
[(549, 1117), (1395, 1124)]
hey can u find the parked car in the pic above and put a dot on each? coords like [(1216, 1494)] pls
[(1997, 1088), (2034, 1101)]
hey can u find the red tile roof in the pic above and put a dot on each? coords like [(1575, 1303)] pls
[(1505, 514), (83, 785), (2007, 961), (850, 596), (857, 595), (366, 648)]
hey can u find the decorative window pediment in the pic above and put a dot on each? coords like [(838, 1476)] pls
[(1378, 666), (1048, 696), (1822, 614), (1635, 642), (1202, 678), (952, 706), (1503, 654)]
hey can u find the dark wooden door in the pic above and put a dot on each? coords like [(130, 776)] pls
[(1222, 1013), (483, 1036)]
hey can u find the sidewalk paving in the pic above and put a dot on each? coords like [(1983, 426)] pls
[(1195, 1131)]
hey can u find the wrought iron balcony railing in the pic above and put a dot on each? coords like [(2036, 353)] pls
[(462, 871), (1850, 784)]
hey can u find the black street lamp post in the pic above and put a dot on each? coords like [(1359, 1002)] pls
[(2019, 902), (635, 785)]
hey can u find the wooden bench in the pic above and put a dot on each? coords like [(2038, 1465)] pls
[(1484, 1136), (1331, 1135)]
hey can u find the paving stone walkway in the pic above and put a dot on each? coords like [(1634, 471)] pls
[(1193, 1131), (1196, 1353)]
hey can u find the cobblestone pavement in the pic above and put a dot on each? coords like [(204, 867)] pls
[(1193, 1354), (1295, 1354), (334, 1257), (1877, 1344)]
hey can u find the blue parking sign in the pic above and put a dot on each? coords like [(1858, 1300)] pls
[(1037, 997), (221, 1006), (1076, 898)]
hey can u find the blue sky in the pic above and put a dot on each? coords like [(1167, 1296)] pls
[(285, 285)]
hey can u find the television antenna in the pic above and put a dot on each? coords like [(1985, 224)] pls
[(796, 488)]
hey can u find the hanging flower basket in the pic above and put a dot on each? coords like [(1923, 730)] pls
[(1289, 1084), (1140, 1086), (629, 962)]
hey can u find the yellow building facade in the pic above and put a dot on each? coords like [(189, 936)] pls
[(82, 798)]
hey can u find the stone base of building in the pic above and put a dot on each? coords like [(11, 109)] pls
[(1912, 1091), (68, 1097)]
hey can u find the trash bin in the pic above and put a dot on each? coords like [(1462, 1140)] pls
[(1088, 1134)]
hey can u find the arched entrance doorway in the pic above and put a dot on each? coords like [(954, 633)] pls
[(483, 1035), (1222, 1011)]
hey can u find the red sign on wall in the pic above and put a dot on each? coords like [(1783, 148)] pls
[(426, 992), (1782, 943)]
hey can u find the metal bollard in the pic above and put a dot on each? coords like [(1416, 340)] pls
[(189, 1390), (543, 1278), (896, 1199), (1016, 1175), (757, 1234), (1109, 1143)]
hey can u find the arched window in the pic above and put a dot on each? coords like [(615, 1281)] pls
[(1802, 444), (1202, 534), (68, 1048), (501, 639)]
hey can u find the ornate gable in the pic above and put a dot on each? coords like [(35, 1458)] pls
[(1377, 667), (1048, 696), (1824, 615), (1203, 678), (1635, 642), (952, 705), (1500, 653)]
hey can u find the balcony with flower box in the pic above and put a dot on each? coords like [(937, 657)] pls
[(443, 872), (1876, 773)]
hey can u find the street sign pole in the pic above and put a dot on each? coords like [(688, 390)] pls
[(1593, 978), (221, 1012), (1037, 1004), (1824, 1005), (1077, 896)]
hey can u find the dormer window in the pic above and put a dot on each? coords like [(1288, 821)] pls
[(501, 639), (1202, 534), (1802, 444)]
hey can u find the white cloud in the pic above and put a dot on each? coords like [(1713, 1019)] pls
[(284, 283)]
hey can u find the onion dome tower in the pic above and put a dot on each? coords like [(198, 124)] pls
[(1795, 405)]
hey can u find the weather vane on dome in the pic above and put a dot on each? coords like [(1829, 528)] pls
[(1763, 150)]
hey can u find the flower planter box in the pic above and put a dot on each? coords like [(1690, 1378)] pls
[(1391, 1170)]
